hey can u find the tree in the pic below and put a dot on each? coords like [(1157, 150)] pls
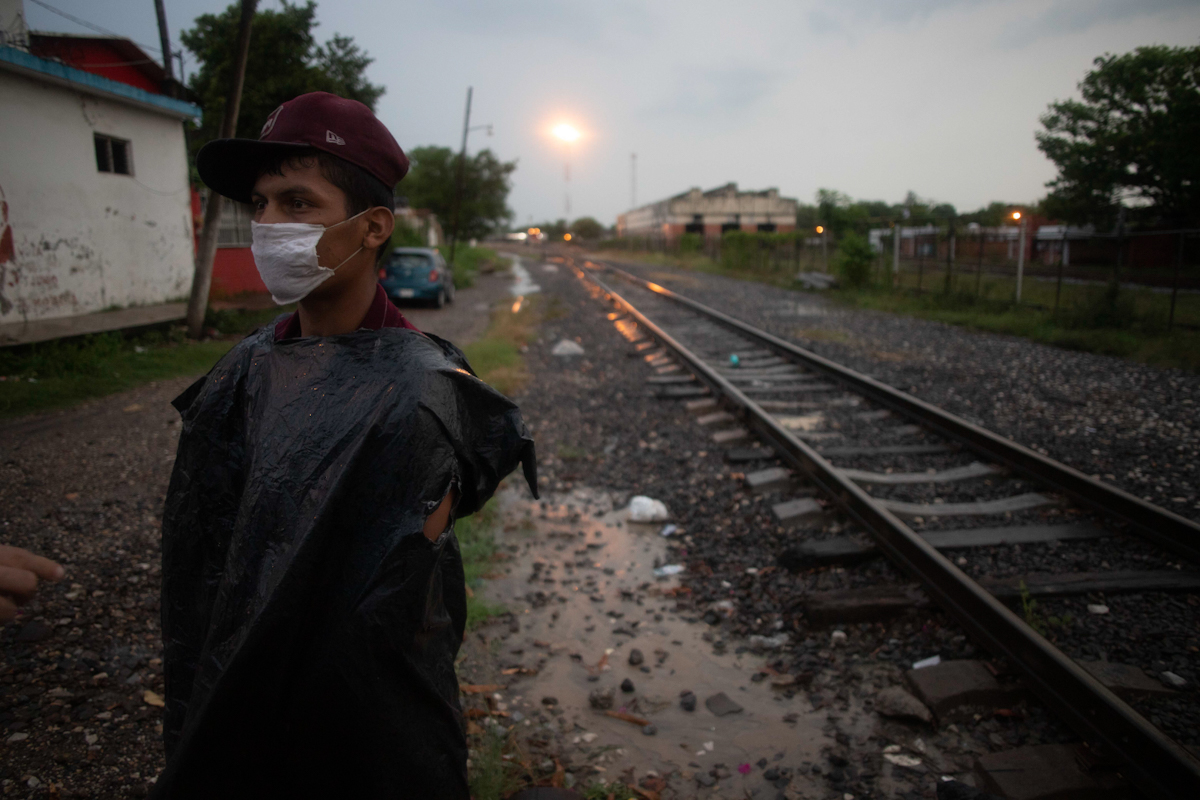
[(1132, 137), (587, 228), (431, 184), (285, 62)]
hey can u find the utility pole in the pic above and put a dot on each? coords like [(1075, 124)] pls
[(458, 183), (165, 37), (202, 281), (633, 180)]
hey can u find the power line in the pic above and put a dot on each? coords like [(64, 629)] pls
[(87, 24)]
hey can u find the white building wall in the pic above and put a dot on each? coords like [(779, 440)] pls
[(86, 240)]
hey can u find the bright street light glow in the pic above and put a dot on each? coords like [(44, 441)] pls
[(1016, 215), (820, 229), (566, 132)]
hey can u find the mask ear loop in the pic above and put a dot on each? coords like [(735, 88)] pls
[(360, 247)]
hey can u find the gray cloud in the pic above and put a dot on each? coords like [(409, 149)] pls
[(1074, 16), (716, 93)]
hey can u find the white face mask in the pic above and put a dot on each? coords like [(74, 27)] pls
[(286, 256)]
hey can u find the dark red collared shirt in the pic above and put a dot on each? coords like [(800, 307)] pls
[(381, 314)]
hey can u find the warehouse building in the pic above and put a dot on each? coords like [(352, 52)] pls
[(710, 213)]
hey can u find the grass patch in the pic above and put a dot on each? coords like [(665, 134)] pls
[(490, 776), (470, 261), (64, 372), (477, 541), (1091, 324), (496, 356)]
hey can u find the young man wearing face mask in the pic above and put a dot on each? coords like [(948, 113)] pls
[(313, 595)]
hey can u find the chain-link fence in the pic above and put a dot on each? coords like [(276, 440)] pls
[(1150, 277)]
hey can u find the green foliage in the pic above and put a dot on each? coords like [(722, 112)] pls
[(432, 182), (854, 259), (587, 228), (691, 243), (407, 236), (285, 61), (1133, 135), (490, 776), (476, 540)]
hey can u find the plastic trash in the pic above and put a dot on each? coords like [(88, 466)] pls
[(1097, 608), (668, 529), (903, 760), (734, 360), (309, 626), (668, 570), (932, 661), (645, 509), (566, 347)]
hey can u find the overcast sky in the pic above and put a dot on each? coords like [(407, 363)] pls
[(870, 97)]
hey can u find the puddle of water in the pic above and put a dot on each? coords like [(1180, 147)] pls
[(580, 582), (523, 283)]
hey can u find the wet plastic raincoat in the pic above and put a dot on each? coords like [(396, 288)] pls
[(310, 627)]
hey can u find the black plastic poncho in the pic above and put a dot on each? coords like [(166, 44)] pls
[(310, 627)]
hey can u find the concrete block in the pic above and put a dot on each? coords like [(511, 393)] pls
[(801, 509), (765, 480), (704, 406), (1124, 680), (962, 682), (1045, 772), (870, 604), (740, 455), (731, 435), (716, 417), (681, 392)]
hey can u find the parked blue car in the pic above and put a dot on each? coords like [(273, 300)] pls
[(417, 273)]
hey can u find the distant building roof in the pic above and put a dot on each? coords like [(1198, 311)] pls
[(54, 72)]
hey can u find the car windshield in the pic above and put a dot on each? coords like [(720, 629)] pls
[(410, 260)]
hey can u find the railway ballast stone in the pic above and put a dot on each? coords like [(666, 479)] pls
[(953, 684), (897, 703), (1041, 772)]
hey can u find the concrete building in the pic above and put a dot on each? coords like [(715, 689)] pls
[(710, 213), (94, 179)]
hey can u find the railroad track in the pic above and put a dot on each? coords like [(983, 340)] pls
[(837, 430)]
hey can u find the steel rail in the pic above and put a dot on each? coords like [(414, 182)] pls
[(1152, 761), (1165, 528)]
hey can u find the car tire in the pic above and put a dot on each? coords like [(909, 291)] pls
[(440, 300)]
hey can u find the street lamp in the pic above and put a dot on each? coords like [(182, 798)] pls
[(568, 134), (824, 249), (1016, 215)]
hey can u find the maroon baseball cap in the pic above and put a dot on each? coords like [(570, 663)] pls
[(317, 120)]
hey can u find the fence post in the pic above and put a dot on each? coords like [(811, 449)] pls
[(1175, 282), (1021, 258), (1062, 258), (979, 266), (895, 256), (920, 261), (950, 259)]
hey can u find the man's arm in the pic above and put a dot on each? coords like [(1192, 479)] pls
[(436, 522)]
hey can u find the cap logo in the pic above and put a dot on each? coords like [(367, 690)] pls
[(270, 123), (330, 136)]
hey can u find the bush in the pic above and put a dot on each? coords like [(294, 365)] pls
[(854, 260)]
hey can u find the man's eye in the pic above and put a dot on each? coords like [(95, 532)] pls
[(297, 204)]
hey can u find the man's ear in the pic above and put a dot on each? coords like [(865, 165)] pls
[(380, 223)]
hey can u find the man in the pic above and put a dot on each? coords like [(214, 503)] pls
[(313, 595)]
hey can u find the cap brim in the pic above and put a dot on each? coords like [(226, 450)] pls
[(230, 167)]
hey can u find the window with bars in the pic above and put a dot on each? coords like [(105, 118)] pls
[(234, 228), (113, 155)]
